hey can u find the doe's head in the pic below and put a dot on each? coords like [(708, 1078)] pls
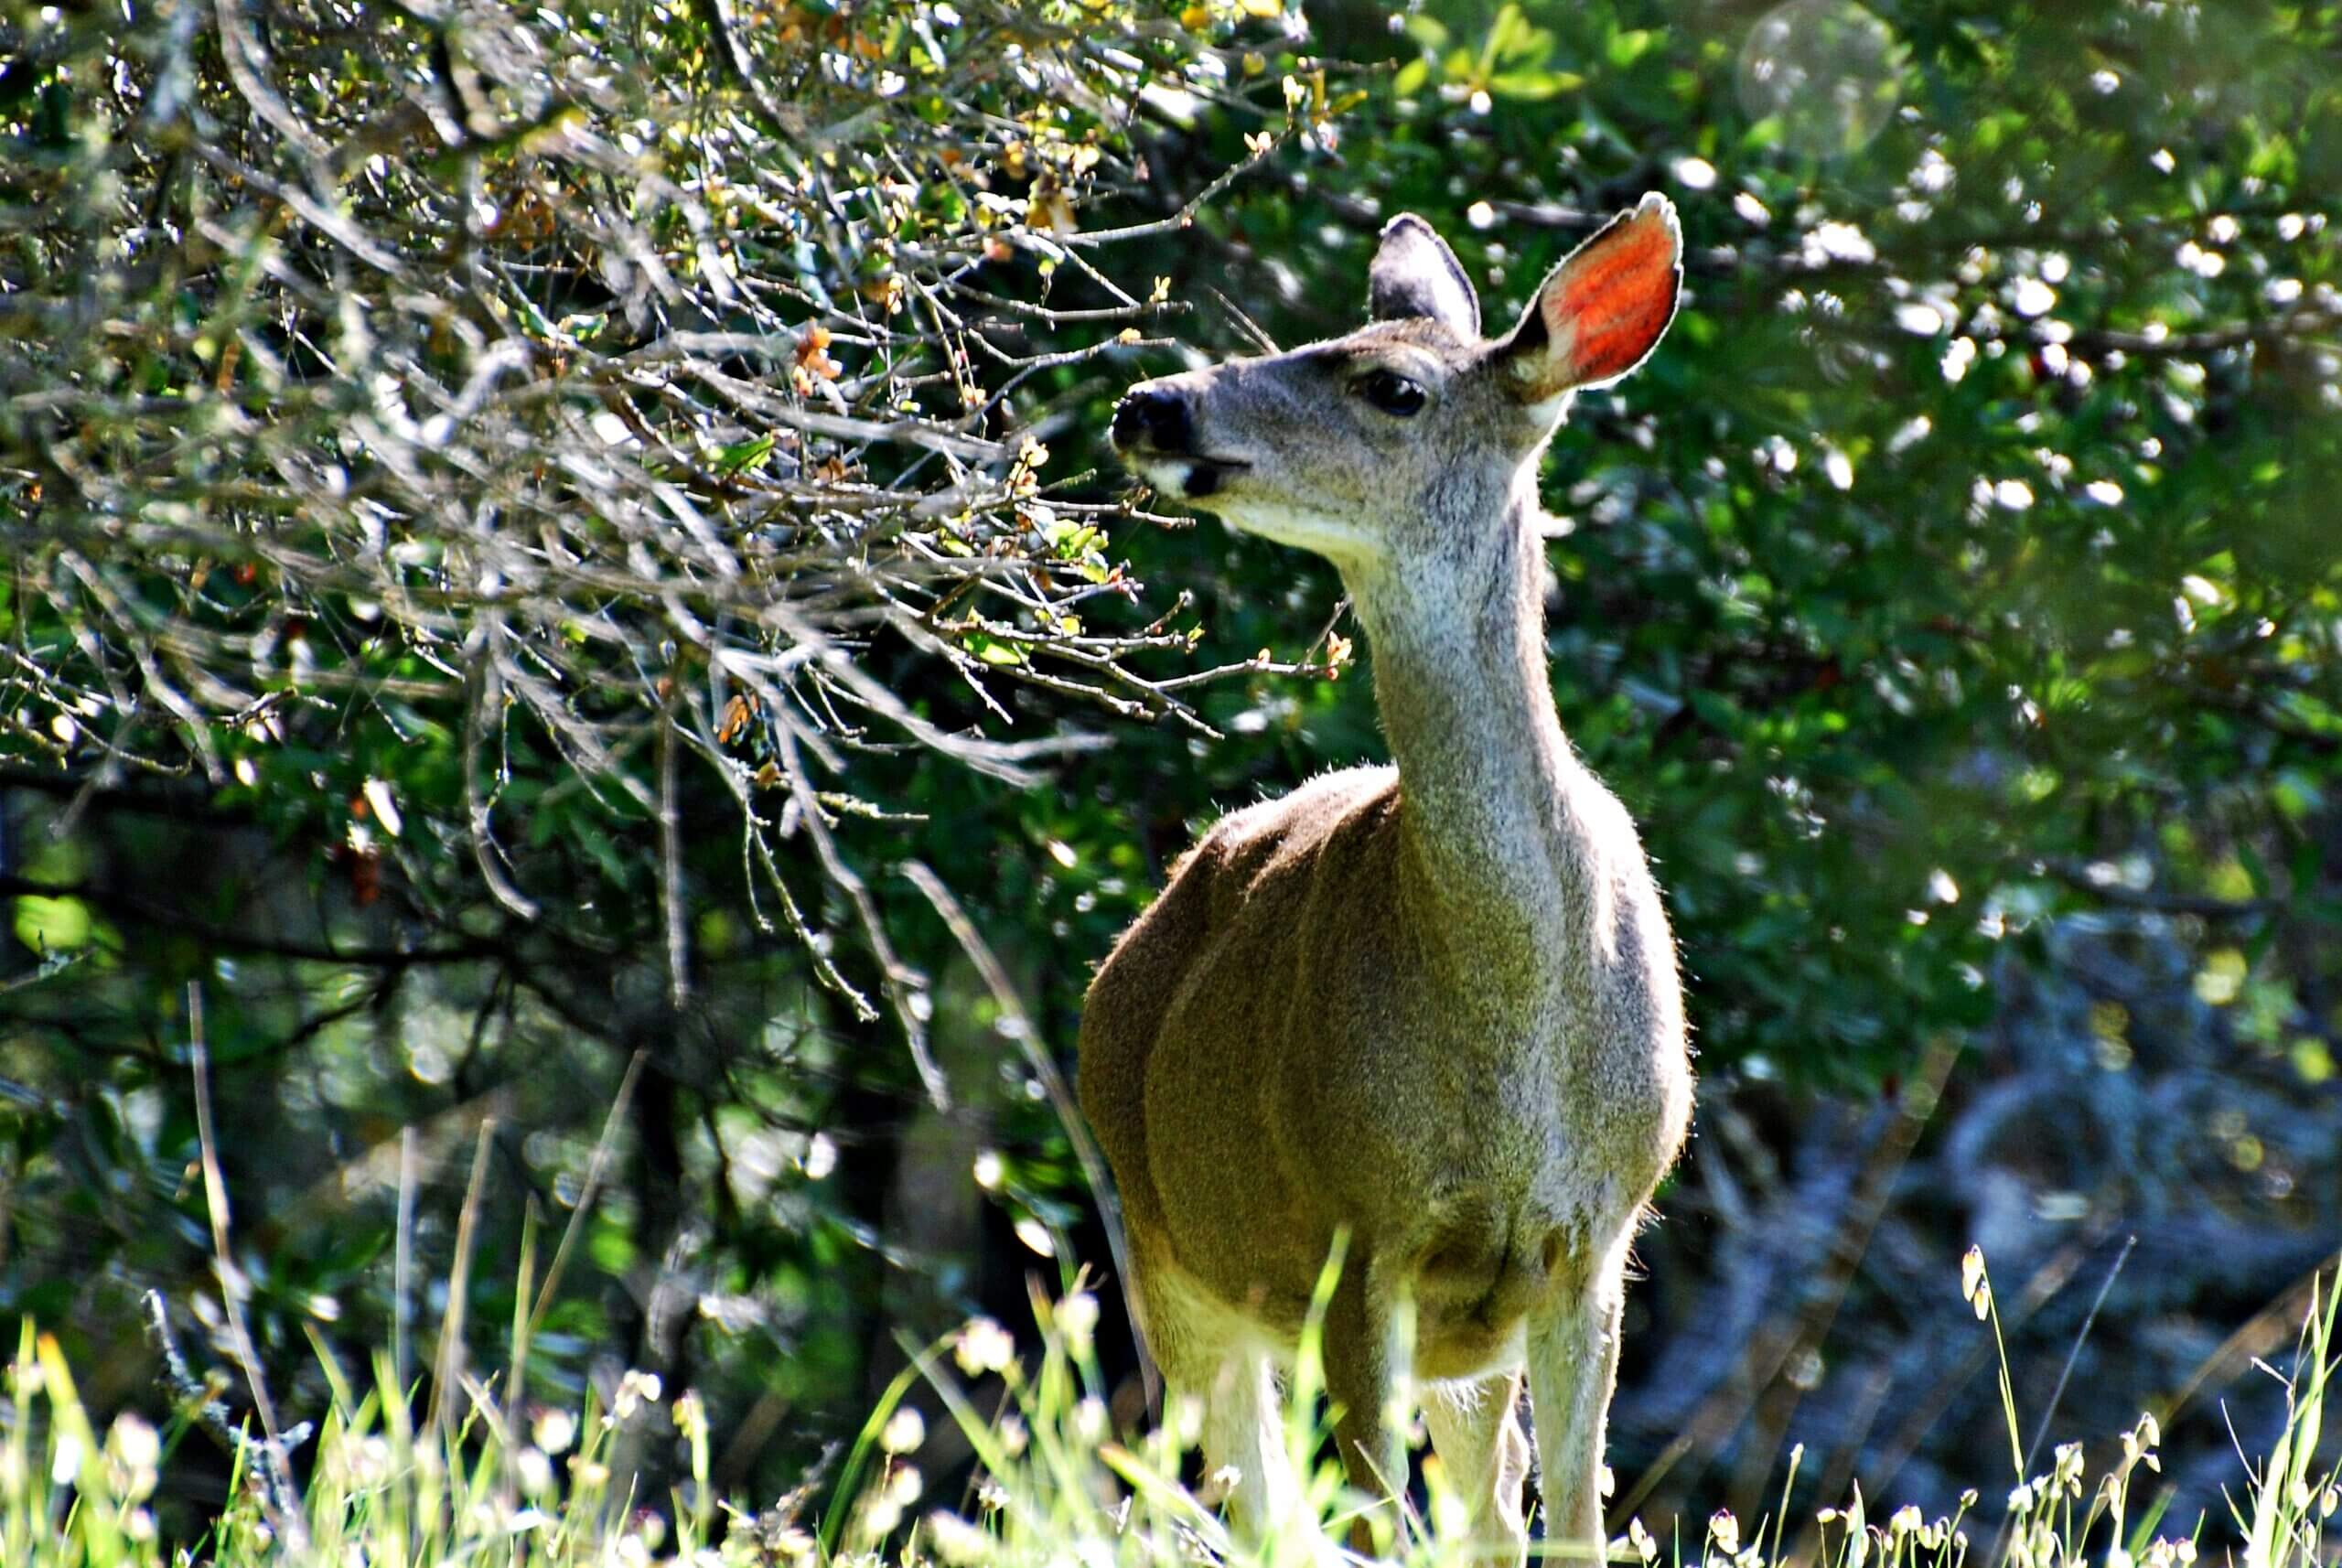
[(1378, 448)]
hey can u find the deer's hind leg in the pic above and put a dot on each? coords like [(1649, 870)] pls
[(1475, 1431), (1205, 1352)]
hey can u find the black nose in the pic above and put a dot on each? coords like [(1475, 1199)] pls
[(1155, 416)]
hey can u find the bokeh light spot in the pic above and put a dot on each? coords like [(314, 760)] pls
[(1828, 71)]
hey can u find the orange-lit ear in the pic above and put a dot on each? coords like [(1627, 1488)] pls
[(1604, 309)]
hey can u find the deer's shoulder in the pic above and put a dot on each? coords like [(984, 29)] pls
[(1285, 839)]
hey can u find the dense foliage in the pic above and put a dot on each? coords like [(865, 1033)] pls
[(522, 527), (1964, 556)]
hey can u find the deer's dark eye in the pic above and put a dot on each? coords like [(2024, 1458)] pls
[(1391, 392)]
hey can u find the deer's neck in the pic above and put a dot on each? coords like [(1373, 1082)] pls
[(1502, 872)]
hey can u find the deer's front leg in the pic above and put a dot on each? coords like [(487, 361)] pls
[(1573, 1366), (1365, 1364), (1476, 1431)]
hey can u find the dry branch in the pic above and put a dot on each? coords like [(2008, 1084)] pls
[(613, 397)]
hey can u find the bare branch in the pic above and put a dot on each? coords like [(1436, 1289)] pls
[(413, 394)]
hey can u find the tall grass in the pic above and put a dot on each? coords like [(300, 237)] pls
[(497, 1481)]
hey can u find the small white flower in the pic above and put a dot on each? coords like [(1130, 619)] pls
[(904, 1431), (635, 1391), (1077, 1317), (984, 1346), (956, 1541), (555, 1430), (133, 1443), (1724, 1532)]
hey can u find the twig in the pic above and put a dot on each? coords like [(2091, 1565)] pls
[(1253, 330), (732, 56), (588, 1191), (1188, 211), (671, 849), (448, 1366), (2089, 1320), (402, 1266), (283, 1498), (2157, 901), (489, 693), (196, 1397)]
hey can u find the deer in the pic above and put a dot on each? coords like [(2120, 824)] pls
[(1429, 1009)]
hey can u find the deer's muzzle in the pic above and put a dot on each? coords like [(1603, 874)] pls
[(1155, 418)]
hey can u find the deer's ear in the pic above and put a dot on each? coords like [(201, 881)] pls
[(1414, 274), (1601, 312)]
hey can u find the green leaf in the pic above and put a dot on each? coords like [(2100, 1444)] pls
[(1534, 86), (991, 650), (1628, 47), (742, 455), (52, 925), (1427, 31)]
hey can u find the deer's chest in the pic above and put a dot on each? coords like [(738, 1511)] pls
[(1411, 1093)]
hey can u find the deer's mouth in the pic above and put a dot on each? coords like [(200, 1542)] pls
[(1185, 474), (1155, 431)]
